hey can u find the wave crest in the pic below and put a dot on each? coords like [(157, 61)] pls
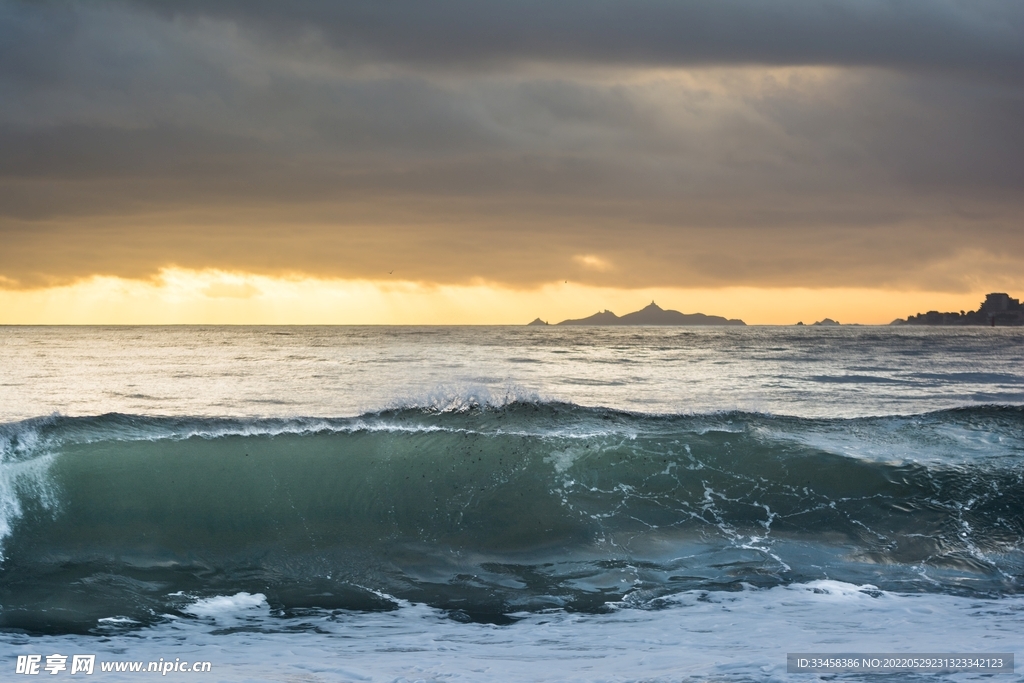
[(465, 398)]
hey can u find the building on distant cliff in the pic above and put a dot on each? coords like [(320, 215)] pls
[(999, 302), (998, 309)]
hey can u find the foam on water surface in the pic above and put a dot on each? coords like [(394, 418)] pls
[(691, 636)]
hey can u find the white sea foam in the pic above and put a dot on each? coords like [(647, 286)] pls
[(230, 606), (145, 428), (24, 468), (697, 636)]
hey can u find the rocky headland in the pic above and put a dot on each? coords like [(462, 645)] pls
[(998, 308)]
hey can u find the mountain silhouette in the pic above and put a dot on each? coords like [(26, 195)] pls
[(652, 314)]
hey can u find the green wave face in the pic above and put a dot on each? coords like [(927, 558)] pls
[(490, 512)]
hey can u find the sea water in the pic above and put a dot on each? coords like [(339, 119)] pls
[(509, 503)]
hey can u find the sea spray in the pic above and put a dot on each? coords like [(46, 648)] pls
[(25, 460)]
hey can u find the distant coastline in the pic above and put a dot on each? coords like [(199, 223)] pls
[(652, 314), (998, 309)]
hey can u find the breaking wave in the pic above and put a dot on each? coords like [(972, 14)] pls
[(490, 507)]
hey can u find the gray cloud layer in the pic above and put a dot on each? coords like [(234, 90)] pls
[(975, 34), (499, 140)]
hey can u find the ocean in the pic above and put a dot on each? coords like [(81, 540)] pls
[(508, 503)]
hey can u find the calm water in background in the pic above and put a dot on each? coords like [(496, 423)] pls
[(437, 503), (343, 371)]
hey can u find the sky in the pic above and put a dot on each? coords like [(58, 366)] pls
[(472, 161)]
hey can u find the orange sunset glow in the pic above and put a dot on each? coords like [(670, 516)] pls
[(177, 296)]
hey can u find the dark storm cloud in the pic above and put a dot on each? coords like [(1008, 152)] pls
[(499, 140)]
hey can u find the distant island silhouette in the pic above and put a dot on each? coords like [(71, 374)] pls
[(998, 308), (828, 322), (651, 314)]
